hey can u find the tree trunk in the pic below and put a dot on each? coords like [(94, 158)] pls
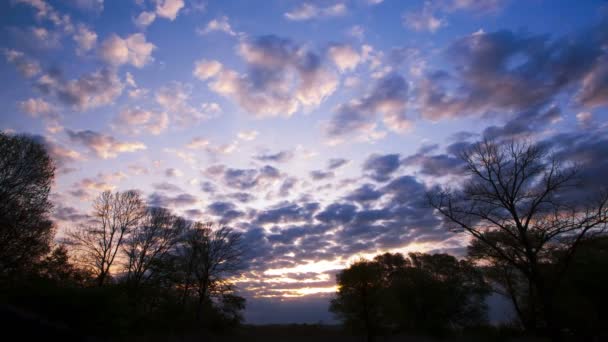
[(201, 300), (101, 279), (551, 328)]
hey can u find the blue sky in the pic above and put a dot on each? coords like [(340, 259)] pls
[(314, 127)]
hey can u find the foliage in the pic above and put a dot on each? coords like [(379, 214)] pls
[(421, 293), (26, 175)]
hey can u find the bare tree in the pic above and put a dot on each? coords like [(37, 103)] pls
[(98, 242), (505, 279), (26, 176), (519, 189), (150, 242), (209, 256)]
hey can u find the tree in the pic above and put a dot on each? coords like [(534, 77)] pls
[(505, 279), (427, 293), (149, 243), (582, 294), (97, 243), (439, 292), (357, 302), (208, 257), (56, 267), (26, 176), (519, 189)]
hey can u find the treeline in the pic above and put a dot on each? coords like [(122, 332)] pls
[(439, 295), (421, 293), (537, 236), (129, 269)]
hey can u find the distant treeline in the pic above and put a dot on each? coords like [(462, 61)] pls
[(132, 269)]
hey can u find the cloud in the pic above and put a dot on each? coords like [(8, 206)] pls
[(198, 143), (435, 165), (423, 20), (132, 50), (245, 179), (137, 120), (25, 65), (389, 97), (594, 88), (175, 98), (91, 90), (37, 38), (226, 210), (307, 11), (507, 72), (336, 163), (356, 31), (321, 175), (584, 118), (169, 9), (85, 39), (279, 157), (483, 6), (88, 5), (165, 186), (220, 24), (344, 57), (167, 201), (68, 214), (282, 77), (287, 213), (101, 182), (431, 17), (248, 135), (145, 19), (288, 185), (524, 125), (173, 172), (337, 213), (242, 197), (103, 146), (205, 69), (38, 108), (381, 167), (588, 150), (365, 193), (44, 11)]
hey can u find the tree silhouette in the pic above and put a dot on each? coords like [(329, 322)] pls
[(97, 243), (518, 189), (208, 256), (423, 293), (357, 302), (26, 175), (149, 243)]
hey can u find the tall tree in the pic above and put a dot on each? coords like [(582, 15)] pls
[(26, 176), (209, 255), (150, 242), (358, 300), (97, 243), (519, 189)]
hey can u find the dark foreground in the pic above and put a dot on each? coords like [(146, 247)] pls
[(30, 327)]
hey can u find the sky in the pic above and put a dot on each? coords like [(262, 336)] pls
[(315, 128)]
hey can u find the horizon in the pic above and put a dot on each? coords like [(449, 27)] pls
[(315, 128)]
